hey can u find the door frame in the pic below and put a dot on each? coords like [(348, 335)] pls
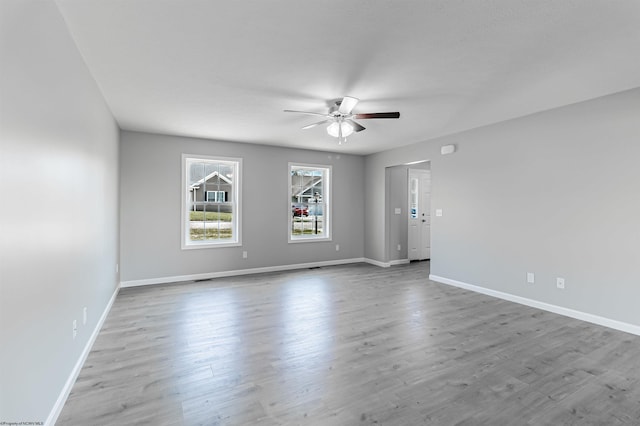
[(423, 216)]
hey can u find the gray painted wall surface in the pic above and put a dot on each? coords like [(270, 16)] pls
[(396, 224), (59, 215), (555, 193), (377, 244), (150, 184)]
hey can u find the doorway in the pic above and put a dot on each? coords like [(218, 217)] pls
[(419, 221)]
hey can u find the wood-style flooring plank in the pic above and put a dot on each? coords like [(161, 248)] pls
[(349, 345)]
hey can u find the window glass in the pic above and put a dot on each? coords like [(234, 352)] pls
[(212, 202), (309, 199)]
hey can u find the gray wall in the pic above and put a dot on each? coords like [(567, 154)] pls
[(379, 237), (150, 184), (396, 224), (555, 193), (59, 215)]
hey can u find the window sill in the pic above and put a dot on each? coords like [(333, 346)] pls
[(210, 245), (309, 240)]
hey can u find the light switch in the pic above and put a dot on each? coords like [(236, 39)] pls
[(398, 210), (438, 212)]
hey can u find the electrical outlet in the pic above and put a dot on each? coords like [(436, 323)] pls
[(75, 328), (531, 278), (244, 254), (560, 283), (399, 247), (117, 268), (337, 247), (84, 316)]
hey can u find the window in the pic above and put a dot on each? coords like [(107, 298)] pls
[(309, 196), (211, 202), (217, 196)]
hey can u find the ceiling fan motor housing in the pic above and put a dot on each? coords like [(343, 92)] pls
[(333, 110)]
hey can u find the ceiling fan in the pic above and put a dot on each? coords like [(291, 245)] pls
[(340, 118)]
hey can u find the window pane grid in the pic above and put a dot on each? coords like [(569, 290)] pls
[(211, 204), (309, 204)]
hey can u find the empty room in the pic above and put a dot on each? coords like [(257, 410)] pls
[(319, 213)]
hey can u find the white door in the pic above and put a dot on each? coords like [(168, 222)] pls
[(419, 232)]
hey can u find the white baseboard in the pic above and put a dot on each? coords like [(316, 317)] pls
[(210, 275), (64, 394), (584, 316), (377, 263), (387, 264)]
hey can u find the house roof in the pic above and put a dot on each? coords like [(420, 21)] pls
[(209, 177), (227, 70), (305, 183)]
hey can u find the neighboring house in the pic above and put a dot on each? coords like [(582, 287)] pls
[(304, 190), (213, 192)]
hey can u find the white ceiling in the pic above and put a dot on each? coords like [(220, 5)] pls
[(226, 70)]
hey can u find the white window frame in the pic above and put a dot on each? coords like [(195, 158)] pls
[(217, 195), (327, 199), (235, 196)]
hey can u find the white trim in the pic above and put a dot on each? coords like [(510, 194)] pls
[(209, 176), (64, 394), (327, 213), (237, 272), (309, 240), (236, 198), (584, 316), (387, 264), (216, 197), (377, 263), (205, 245)]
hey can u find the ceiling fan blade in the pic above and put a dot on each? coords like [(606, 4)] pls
[(307, 112), (347, 105), (356, 127), (377, 115), (315, 124)]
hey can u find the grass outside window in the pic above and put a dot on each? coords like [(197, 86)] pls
[(210, 216)]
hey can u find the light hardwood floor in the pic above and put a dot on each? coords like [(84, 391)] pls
[(349, 345)]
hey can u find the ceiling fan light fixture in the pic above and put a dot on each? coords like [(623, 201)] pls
[(334, 129), (341, 118)]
